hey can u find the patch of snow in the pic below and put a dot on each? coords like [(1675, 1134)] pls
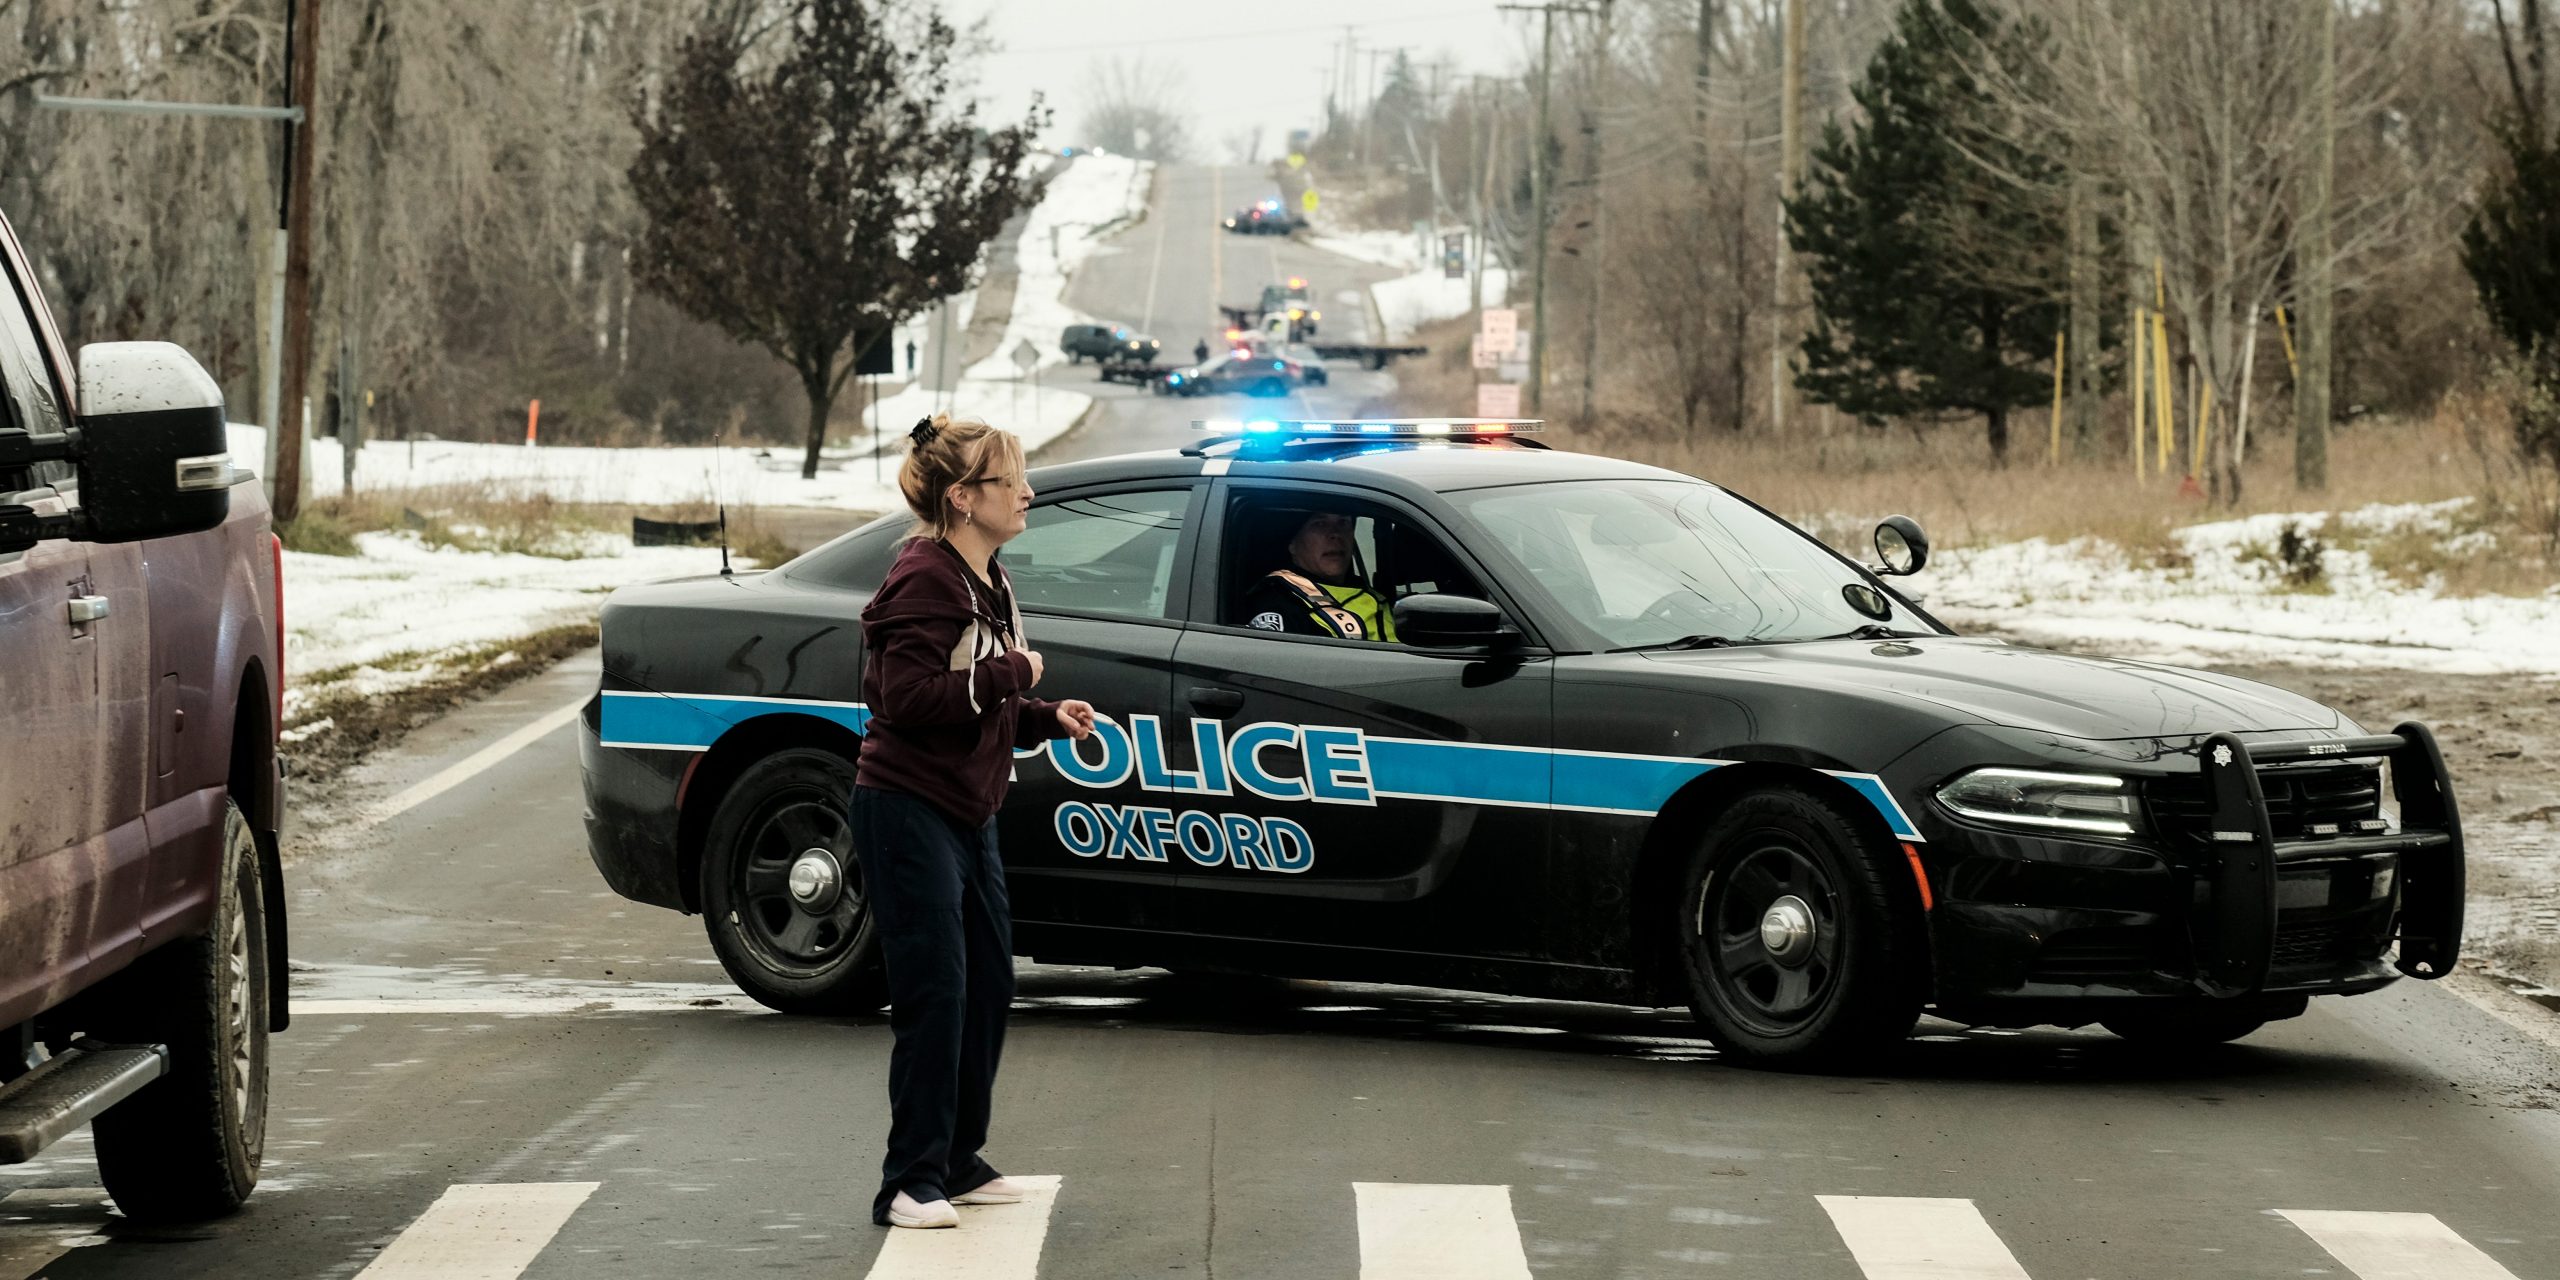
[(1407, 303), (2231, 603), (394, 616), (1380, 248), (1092, 195)]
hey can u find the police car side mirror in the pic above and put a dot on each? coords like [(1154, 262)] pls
[(1437, 621), (1901, 545)]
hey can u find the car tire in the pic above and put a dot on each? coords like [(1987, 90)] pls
[(187, 1146), (2194, 1025), (1847, 980), (812, 953)]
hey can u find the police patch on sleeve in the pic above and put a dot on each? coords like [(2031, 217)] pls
[(1266, 621)]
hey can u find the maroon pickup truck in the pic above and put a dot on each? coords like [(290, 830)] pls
[(142, 958)]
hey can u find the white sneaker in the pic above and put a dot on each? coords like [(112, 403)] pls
[(996, 1190), (905, 1212)]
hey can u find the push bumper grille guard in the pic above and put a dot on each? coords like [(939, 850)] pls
[(2236, 944)]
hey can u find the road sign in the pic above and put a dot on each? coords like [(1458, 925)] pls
[(1297, 160), (1026, 356), (1501, 330), (1453, 255), (1497, 400), (1478, 357), (1308, 201)]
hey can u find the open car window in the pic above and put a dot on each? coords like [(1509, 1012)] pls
[(1394, 555)]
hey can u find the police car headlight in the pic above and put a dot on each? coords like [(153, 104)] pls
[(2086, 802)]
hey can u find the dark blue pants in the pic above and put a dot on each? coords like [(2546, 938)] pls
[(937, 896)]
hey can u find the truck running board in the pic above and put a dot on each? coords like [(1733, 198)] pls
[(69, 1090)]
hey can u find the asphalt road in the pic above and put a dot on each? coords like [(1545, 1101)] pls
[(498, 1069), (1167, 276)]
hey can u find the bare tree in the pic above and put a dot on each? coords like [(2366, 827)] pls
[(1134, 107), (2199, 111)]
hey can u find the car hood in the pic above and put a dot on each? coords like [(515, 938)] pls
[(1994, 683)]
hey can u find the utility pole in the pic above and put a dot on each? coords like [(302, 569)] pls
[(1782, 388), (1598, 263), (2313, 268), (1540, 183), (1483, 200), (302, 53)]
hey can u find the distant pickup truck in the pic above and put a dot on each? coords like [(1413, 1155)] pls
[(142, 928)]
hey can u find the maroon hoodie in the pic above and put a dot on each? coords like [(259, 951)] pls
[(944, 678)]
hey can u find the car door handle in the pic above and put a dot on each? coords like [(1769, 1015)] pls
[(1220, 703), (87, 609)]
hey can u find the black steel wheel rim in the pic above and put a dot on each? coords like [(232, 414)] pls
[(790, 936), (1769, 993)]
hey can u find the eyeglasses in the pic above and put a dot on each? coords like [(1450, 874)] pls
[(1007, 481)]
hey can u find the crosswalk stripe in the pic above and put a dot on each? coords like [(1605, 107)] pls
[(1432, 1231), (56, 1219), (1917, 1238), (992, 1242), (2396, 1246), (480, 1231)]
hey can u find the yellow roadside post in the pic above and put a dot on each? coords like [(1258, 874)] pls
[(2285, 332), (2053, 451), (2163, 413), (2136, 370)]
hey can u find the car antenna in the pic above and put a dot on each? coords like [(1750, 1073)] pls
[(719, 506)]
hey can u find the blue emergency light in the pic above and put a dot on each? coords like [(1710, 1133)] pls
[(1365, 429)]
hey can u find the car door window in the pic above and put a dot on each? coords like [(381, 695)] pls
[(1107, 553), (1395, 555)]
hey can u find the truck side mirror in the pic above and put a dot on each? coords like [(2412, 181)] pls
[(154, 446)]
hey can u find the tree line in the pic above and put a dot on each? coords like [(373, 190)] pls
[(2262, 219)]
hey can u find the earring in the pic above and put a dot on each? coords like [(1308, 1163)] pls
[(968, 517)]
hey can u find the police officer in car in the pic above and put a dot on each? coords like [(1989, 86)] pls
[(1321, 592)]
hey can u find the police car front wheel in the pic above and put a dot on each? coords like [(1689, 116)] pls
[(782, 889), (1794, 943)]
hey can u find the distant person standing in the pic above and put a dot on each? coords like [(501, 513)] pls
[(911, 355), (948, 678), (1200, 352)]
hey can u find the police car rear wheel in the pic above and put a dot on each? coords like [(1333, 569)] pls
[(782, 888), (1794, 945)]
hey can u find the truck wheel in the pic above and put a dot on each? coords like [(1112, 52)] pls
[(2192, 1025), (782, 888), (187, 1146), (1797, 949)]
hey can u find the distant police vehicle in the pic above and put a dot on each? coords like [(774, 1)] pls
[(1250, 371), (1262, 218), (1635, 740)]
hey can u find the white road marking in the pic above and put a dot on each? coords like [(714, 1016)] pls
[(992, 1242), (58, 1220), (480, 1231), (501, 1003), (1918, 1238), (1433, 1231), (1155, 264), (473, 765), (2396, 1246), (1217, 242)]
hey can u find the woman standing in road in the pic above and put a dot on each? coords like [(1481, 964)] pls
[(947, 678)]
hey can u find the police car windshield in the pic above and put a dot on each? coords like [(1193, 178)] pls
[(1653, 563)]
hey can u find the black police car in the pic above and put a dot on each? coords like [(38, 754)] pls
[(1640, 741)]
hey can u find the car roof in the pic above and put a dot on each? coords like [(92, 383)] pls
[(1437, 466)]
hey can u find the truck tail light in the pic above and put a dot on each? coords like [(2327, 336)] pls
[(276, 543)]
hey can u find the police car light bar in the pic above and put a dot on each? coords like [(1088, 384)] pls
[(1370, 428)]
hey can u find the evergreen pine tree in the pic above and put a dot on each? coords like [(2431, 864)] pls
[(1937, 282)]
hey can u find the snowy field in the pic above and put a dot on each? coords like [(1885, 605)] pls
[(1094, 197), (2230, 602), (1423, 296)]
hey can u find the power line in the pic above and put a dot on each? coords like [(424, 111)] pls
[(1223, 36)]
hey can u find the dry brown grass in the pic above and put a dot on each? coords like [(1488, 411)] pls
[(525, 521), (1837, 478)]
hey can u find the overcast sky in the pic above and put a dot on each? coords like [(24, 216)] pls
[(1242, 64)]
